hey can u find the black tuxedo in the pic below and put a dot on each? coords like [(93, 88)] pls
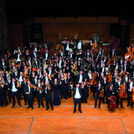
[(48, 97), (77, 100), (29, 96), (13, 94), (98, 97), (39, 97)]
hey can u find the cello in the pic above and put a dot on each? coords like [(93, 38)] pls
[(123, 94), (113, 104)]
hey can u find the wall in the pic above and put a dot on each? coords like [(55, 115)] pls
[(15, 32), (69, 26)]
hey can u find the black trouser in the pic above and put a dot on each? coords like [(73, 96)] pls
[(40, 99), (93, 89), (77, 101), (117, 100), (9, 96), (30, 100), (96, 99), (48, 99), (129, 98), (25, 98), (18, 98)]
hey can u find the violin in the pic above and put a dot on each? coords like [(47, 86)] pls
[(110, 78), (101, 93), (18, 84), (35, 69), (48, 86)]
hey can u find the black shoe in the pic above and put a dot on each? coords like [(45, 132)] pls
[(47, 108), (122, 107), (74, 111), (80, 111), (52, 109), (38, 107), (28, 107), (32, 107), (128, 105), (13, 106), (20, 105)]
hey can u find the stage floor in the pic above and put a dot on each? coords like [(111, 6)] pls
[(62, 120)]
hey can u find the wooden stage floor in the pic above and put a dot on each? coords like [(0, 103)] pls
[(62, 120)]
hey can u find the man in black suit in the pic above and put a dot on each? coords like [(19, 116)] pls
[(29, 92), (14, 92), (77, 97), (48, 95)]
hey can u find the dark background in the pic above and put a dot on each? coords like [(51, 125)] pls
[(21, 10)]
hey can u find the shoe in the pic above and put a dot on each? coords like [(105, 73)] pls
[(80, 111), (122, 106), (32, 107), (28, 107), (47, 108), (52, 109), (13, 106), (20, 105), (74, 111), (128, 105)]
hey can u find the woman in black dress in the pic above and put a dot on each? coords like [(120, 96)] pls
[(56, 96)]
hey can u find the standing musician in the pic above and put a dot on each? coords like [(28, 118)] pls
[(99, 95), (29, 92), (14, 91), (111, 98), (39, 87), (77, 97), (130, 91), (48, 95)]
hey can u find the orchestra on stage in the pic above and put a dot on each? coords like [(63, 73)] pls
[(51, 74)]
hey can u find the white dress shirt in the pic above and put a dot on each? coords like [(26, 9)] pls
[(77, 94), (14, 89)]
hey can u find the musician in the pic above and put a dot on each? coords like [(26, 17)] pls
[(39, 87), (7, 84), (130, 87), (80, 77), (98, 95), (56, 96), (77, 97), (24, 88), (3, 64), (34, 54), (48, 95), (117, 90), (111, 92), (79, 45), (63, 86), (14, 92), (104, 84), (29, 92), (60, 63), (46, 55), (18, 56)]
